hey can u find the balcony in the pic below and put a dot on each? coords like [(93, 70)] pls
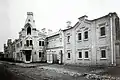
[(28, 47)]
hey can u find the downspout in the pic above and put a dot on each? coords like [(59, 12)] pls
[(112, 57)]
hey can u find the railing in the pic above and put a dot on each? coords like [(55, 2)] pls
[(28, 46)]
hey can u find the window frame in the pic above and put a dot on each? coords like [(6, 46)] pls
[(43, 43), (31, 42), (68, 39), (79, 55), (40, 54), (85, 54), (78, 36), (101, 34), (40, 43), (101, 54), (85, 35), (68, 55)]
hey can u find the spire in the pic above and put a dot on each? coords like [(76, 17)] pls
[(30, 13), (30, 20)]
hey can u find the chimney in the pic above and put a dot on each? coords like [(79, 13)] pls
[(30, 13), (43, 30), (68, 24), (49, 31), (83, 18)]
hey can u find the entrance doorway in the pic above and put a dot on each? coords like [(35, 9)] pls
[(61, 57), (28, 55)]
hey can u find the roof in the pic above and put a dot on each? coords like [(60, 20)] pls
[(53, 34), (70, 27), (114, 13)]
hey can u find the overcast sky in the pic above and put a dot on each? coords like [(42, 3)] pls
[(50, 14)]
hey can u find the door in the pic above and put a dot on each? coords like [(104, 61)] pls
[(54, 56), (28, 55)]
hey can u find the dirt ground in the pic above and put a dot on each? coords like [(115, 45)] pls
[(42, 71), (37, 73)]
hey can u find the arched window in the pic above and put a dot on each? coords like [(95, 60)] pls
[(29, 30)]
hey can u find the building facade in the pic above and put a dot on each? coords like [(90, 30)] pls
[(54, 47), (30, 46), (88, 42), (93, 42)]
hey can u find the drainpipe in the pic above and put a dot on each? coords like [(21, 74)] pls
[(112, 57)]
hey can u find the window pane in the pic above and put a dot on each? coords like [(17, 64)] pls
[(103, 54), (68, 55), (40, 54), (39, 43), (30, 42), (21, 43), (80, 54), (42, 43), (79, 36), (68, 38), (27, 42), (86, 35), (102, 30), (86, 54)]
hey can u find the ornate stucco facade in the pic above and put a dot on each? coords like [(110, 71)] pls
[(88, 42)]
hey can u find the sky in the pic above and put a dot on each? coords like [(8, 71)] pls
[(49, 14)]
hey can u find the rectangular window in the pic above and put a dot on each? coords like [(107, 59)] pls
[(102, 31), (40, 54), (80, 54), (86, 35), (79, 36), (103, 53), (86, 54), (68, 55), (68, 38), (21, 43), (40, 43), (27, 42), (30, 42)]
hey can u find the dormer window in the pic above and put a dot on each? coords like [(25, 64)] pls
[(29, 20), (29, 30)]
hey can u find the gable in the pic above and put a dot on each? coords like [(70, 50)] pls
[(82, 25), (28, 38)]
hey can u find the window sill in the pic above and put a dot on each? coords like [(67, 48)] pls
[(102, 37), (85, 39), (103, 58), (68, 42), (80, 58), (68, 58), (79, 41), (86, 59)]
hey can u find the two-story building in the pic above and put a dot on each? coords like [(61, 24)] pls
[(54, 47), (93, 42), (88, 42), (30, 46)]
